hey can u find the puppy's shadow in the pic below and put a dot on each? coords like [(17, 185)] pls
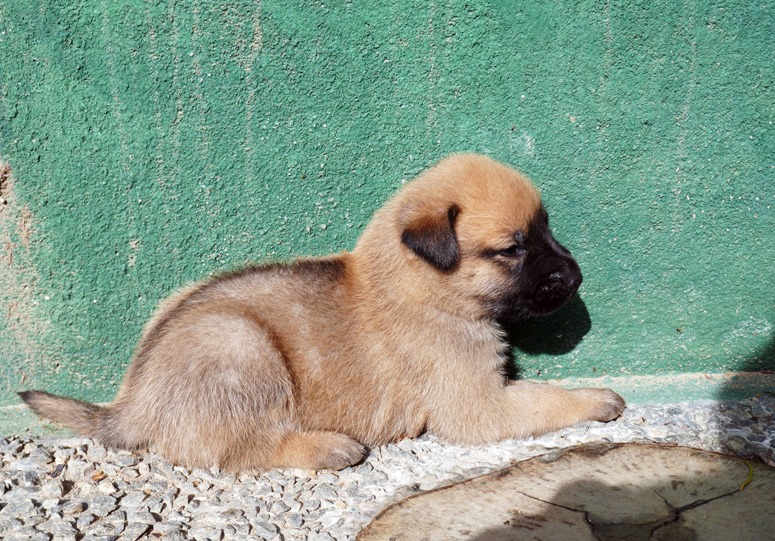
[(556, 334)]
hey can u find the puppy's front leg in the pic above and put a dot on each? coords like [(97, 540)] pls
[(522, 409)]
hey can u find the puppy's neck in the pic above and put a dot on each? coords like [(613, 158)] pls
[(411, 284)]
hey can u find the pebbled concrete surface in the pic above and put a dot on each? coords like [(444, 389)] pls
[(72, 488)]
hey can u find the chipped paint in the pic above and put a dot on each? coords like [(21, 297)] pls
[(25, 331)]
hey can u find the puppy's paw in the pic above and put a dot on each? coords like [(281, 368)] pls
[(604, 404), (340, 452), (318, 451)]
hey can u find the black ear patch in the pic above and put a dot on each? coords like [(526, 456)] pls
[(432, 237)]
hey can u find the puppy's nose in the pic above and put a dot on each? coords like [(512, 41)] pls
[(574, 280), (569, 275)]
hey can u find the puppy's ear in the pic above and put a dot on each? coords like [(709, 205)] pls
[(431, 235)]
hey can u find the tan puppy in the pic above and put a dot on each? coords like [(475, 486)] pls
[(305, 363)]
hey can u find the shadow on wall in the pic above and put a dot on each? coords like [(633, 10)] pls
[(555, 334), (761, 364)]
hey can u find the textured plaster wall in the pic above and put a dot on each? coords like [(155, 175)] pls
[(147, 144)]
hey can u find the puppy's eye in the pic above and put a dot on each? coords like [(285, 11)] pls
[(514, 250), (517, 249)]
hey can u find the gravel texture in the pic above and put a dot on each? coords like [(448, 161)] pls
[(73, 488)]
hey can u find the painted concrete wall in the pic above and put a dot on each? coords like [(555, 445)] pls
[(147, 144)]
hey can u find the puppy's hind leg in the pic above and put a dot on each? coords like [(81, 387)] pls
[(235, 407)]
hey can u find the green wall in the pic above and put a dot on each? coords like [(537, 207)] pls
[(147, 144)]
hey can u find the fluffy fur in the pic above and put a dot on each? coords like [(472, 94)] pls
[(306, 364)]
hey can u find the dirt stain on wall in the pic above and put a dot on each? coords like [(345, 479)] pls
[(22, 328)]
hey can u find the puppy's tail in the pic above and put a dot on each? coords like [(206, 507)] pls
[(82, 417)]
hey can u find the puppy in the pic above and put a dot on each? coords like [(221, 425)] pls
[(306, 364)]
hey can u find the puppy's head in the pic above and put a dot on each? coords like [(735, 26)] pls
[(481, 229)]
